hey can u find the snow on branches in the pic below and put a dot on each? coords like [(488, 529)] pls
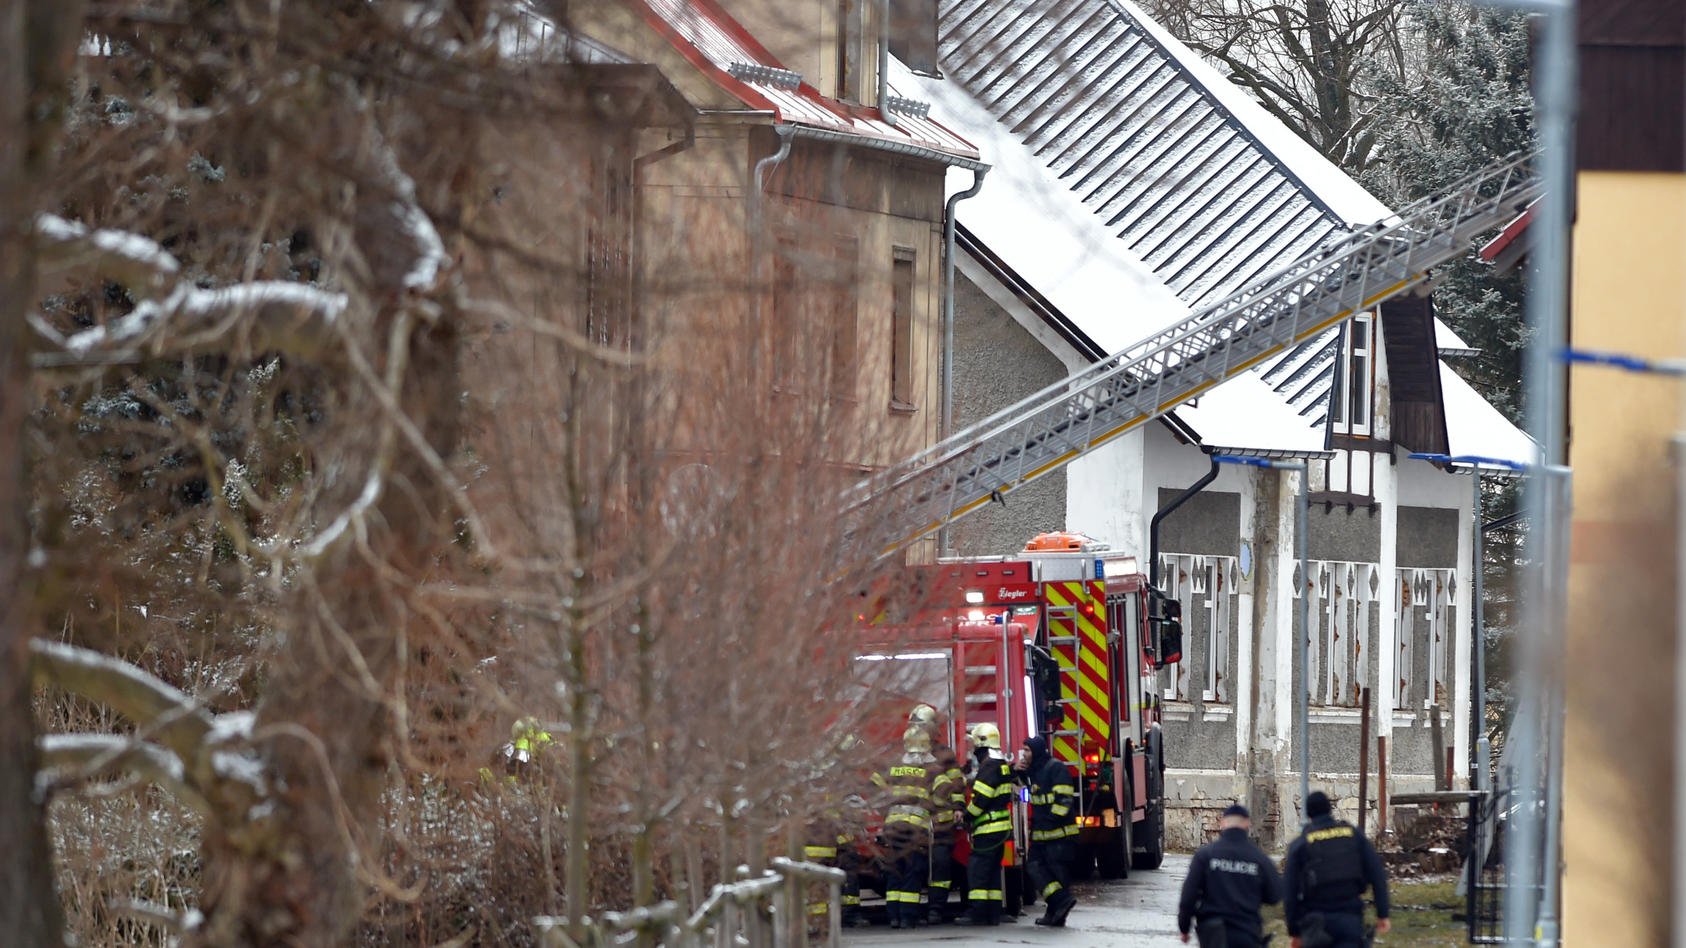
[(205, 760)]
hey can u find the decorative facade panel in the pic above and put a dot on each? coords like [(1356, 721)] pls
[(1339, 643), (1206, 587)]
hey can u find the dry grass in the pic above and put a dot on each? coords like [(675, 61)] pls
[(1422, 917)]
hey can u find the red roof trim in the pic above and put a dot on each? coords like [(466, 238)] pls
[(713, 26), (695, 57), (1491, 250)]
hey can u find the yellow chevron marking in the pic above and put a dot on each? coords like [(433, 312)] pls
[(1094, 694), (1095, 666), (1094, 724), (1064, 749), (1058, 595)]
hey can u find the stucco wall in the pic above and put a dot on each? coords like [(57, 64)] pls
[(1629, 291), (996, 363)]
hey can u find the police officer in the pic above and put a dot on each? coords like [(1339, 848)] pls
[(948, 800), (991, 822), (1053, 829), (906, 797), (1227, 882), (1329, 866)]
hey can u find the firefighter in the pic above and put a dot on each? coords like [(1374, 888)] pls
[(948, 800), (1329, 866), (1053, 829), (832, 835), (1228, 880), (520, 757), (906, 797), (991, 824)]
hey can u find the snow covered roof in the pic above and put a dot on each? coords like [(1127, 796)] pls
[(1475, 427), (1132, 182), (1246, 416), (1199, 183), (719, 46), (1043, 230)]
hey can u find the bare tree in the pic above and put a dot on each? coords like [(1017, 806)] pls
[(354, 434), (1311, 63)]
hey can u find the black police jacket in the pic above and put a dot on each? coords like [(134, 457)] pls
[(1229, 879), (1329, 866), (1053, 801)]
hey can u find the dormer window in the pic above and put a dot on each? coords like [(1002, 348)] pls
[(1352, 396)]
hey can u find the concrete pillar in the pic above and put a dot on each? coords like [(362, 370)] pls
[(1244, 677), (1462, 681)]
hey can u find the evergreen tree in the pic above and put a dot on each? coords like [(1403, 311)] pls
[(1469, 106)]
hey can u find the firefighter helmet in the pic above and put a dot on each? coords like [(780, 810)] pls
[(524, 727), (986, 734), (922, 715), (916, 740)]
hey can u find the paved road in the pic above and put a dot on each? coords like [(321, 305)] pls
[(1139, 912)]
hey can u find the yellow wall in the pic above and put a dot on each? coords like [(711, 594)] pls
[(1629, 296)]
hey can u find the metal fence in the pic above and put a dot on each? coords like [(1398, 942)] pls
[(771, 910), (1487, 851)]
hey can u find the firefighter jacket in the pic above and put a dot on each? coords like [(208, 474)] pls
[(1228, 880), (905, 799), (948, 791), (990, 810), (1053, 796), (521, 758), (1329, 866)]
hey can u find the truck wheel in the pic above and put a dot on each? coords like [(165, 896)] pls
[(1148, 850)]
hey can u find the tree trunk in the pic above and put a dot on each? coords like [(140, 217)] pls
[(36, 40)]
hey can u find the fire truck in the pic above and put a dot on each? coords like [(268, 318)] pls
[(1063, 639)]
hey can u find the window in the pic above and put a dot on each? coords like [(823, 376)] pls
[(1339, 646), (1351, 395), (1205, 586), (790, 305), (901, 331), (842, 345), (1424, 633)]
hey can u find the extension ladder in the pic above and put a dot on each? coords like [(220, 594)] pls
[(1080, 413)]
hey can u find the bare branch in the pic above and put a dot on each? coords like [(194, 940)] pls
[(273, 316), (178, 721), (88, 756), (66, 246)]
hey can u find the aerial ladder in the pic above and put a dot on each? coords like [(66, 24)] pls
[(1124, 391)]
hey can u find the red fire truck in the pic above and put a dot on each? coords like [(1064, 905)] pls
[(1062, 639)]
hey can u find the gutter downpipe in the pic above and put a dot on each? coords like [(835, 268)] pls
[(785, 133), (1165, 511), (884, 64), (758, 232), (947, 420)]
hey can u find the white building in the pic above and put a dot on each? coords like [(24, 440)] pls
[(1131, 183)]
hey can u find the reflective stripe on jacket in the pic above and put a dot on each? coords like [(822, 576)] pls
[(992, 798), (1053, 793)]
